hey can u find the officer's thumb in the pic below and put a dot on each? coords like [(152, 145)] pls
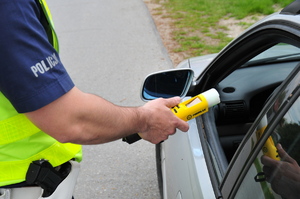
[(171, 102)]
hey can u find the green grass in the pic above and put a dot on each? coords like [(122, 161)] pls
[(196, 21)]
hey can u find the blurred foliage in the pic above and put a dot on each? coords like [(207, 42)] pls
[(197, 27)]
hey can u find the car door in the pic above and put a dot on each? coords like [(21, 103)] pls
[(279, 29), (213, 158), (279, 122)]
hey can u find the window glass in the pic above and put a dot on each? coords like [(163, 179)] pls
[(281, 52), (244, 93), (279, 176)]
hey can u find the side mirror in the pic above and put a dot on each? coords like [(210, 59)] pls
[(166, 84)]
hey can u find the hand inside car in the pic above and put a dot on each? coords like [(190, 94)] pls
[(161, 122), (283, 175)]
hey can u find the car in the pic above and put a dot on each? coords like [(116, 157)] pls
[(248, 145)]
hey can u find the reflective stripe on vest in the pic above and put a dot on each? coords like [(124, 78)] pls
[(21, 142), (50, 21)]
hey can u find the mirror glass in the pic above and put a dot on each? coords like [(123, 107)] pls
[(167, 84)]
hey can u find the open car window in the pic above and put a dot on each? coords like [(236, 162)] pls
[(277, 177), (244, 93), (279, 53)]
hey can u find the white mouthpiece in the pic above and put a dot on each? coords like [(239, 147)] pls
[(212, 97)]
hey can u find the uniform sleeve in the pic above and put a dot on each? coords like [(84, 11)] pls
[(32, 74)]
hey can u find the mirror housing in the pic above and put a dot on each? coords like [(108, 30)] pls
[(166, 84)]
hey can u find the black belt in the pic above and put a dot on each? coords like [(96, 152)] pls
[(43, 174)]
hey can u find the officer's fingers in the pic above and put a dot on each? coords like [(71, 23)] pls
[(171, 102), (269, 162), (284, 155), (182, 125)]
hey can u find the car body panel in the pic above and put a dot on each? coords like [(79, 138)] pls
[(197, 64), (183, 152)]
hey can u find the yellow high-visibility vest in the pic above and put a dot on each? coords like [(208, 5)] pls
[(21, 142)]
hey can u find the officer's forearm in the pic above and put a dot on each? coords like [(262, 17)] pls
[(83, 118)]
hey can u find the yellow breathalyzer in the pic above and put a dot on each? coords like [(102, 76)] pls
[(188, 109), (269, 149), (197, 105)]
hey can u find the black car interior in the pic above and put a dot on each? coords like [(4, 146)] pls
[(245, 78), (244, 84), (243, 94)]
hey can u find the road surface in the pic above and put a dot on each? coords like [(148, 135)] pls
[(108, 47)]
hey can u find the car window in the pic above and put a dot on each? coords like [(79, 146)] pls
[(244, 93), (281, 52), (279, 176)]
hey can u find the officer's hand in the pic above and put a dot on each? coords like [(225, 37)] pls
[(283, 175), (161, 122)]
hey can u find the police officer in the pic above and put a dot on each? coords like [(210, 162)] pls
[(41, 110)]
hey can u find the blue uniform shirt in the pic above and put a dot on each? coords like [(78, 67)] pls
[(31, 73)]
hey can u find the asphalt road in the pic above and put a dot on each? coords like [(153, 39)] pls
[(108, 47)]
